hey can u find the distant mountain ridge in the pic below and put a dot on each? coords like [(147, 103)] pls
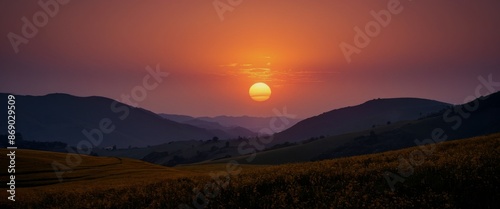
[(254, 124), (360, 117), (225, 132), (177, 118), (397, 135), (248, 124), (63, 117)]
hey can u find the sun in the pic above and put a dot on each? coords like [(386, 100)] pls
[(260, 92)]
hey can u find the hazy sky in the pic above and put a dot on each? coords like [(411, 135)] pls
[(428, 49)]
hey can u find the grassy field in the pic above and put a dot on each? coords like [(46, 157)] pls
[(305, 152), (462, 173)]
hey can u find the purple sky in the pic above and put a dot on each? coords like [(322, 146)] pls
[(428, 49)]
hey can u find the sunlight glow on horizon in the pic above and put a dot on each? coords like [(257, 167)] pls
[(433, 50)]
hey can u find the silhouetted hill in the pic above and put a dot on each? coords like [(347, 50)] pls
[(63, 117), (223, 132), (456, 122), (479, 117), (349, 119), (176, 118), (254, 124)]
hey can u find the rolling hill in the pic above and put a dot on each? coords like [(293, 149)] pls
[(361, 117), (34, 169), (458, 174), (63, 117), (483, 120)]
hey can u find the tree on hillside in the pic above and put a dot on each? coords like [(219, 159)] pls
[(215, 139)]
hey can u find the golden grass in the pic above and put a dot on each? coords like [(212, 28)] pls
[(462, 173)]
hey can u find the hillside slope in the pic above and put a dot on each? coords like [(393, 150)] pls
[(484, 120), (457, 174), (63, 117), (35, 169), (357, 118)]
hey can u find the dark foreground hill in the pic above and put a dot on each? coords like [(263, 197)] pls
[(63, 117), (361, 117), (455, 174), (479, 117), (476, 118)]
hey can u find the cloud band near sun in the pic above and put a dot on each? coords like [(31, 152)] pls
[(274, 75)]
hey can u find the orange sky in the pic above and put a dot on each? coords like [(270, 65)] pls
[(432, 49)]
